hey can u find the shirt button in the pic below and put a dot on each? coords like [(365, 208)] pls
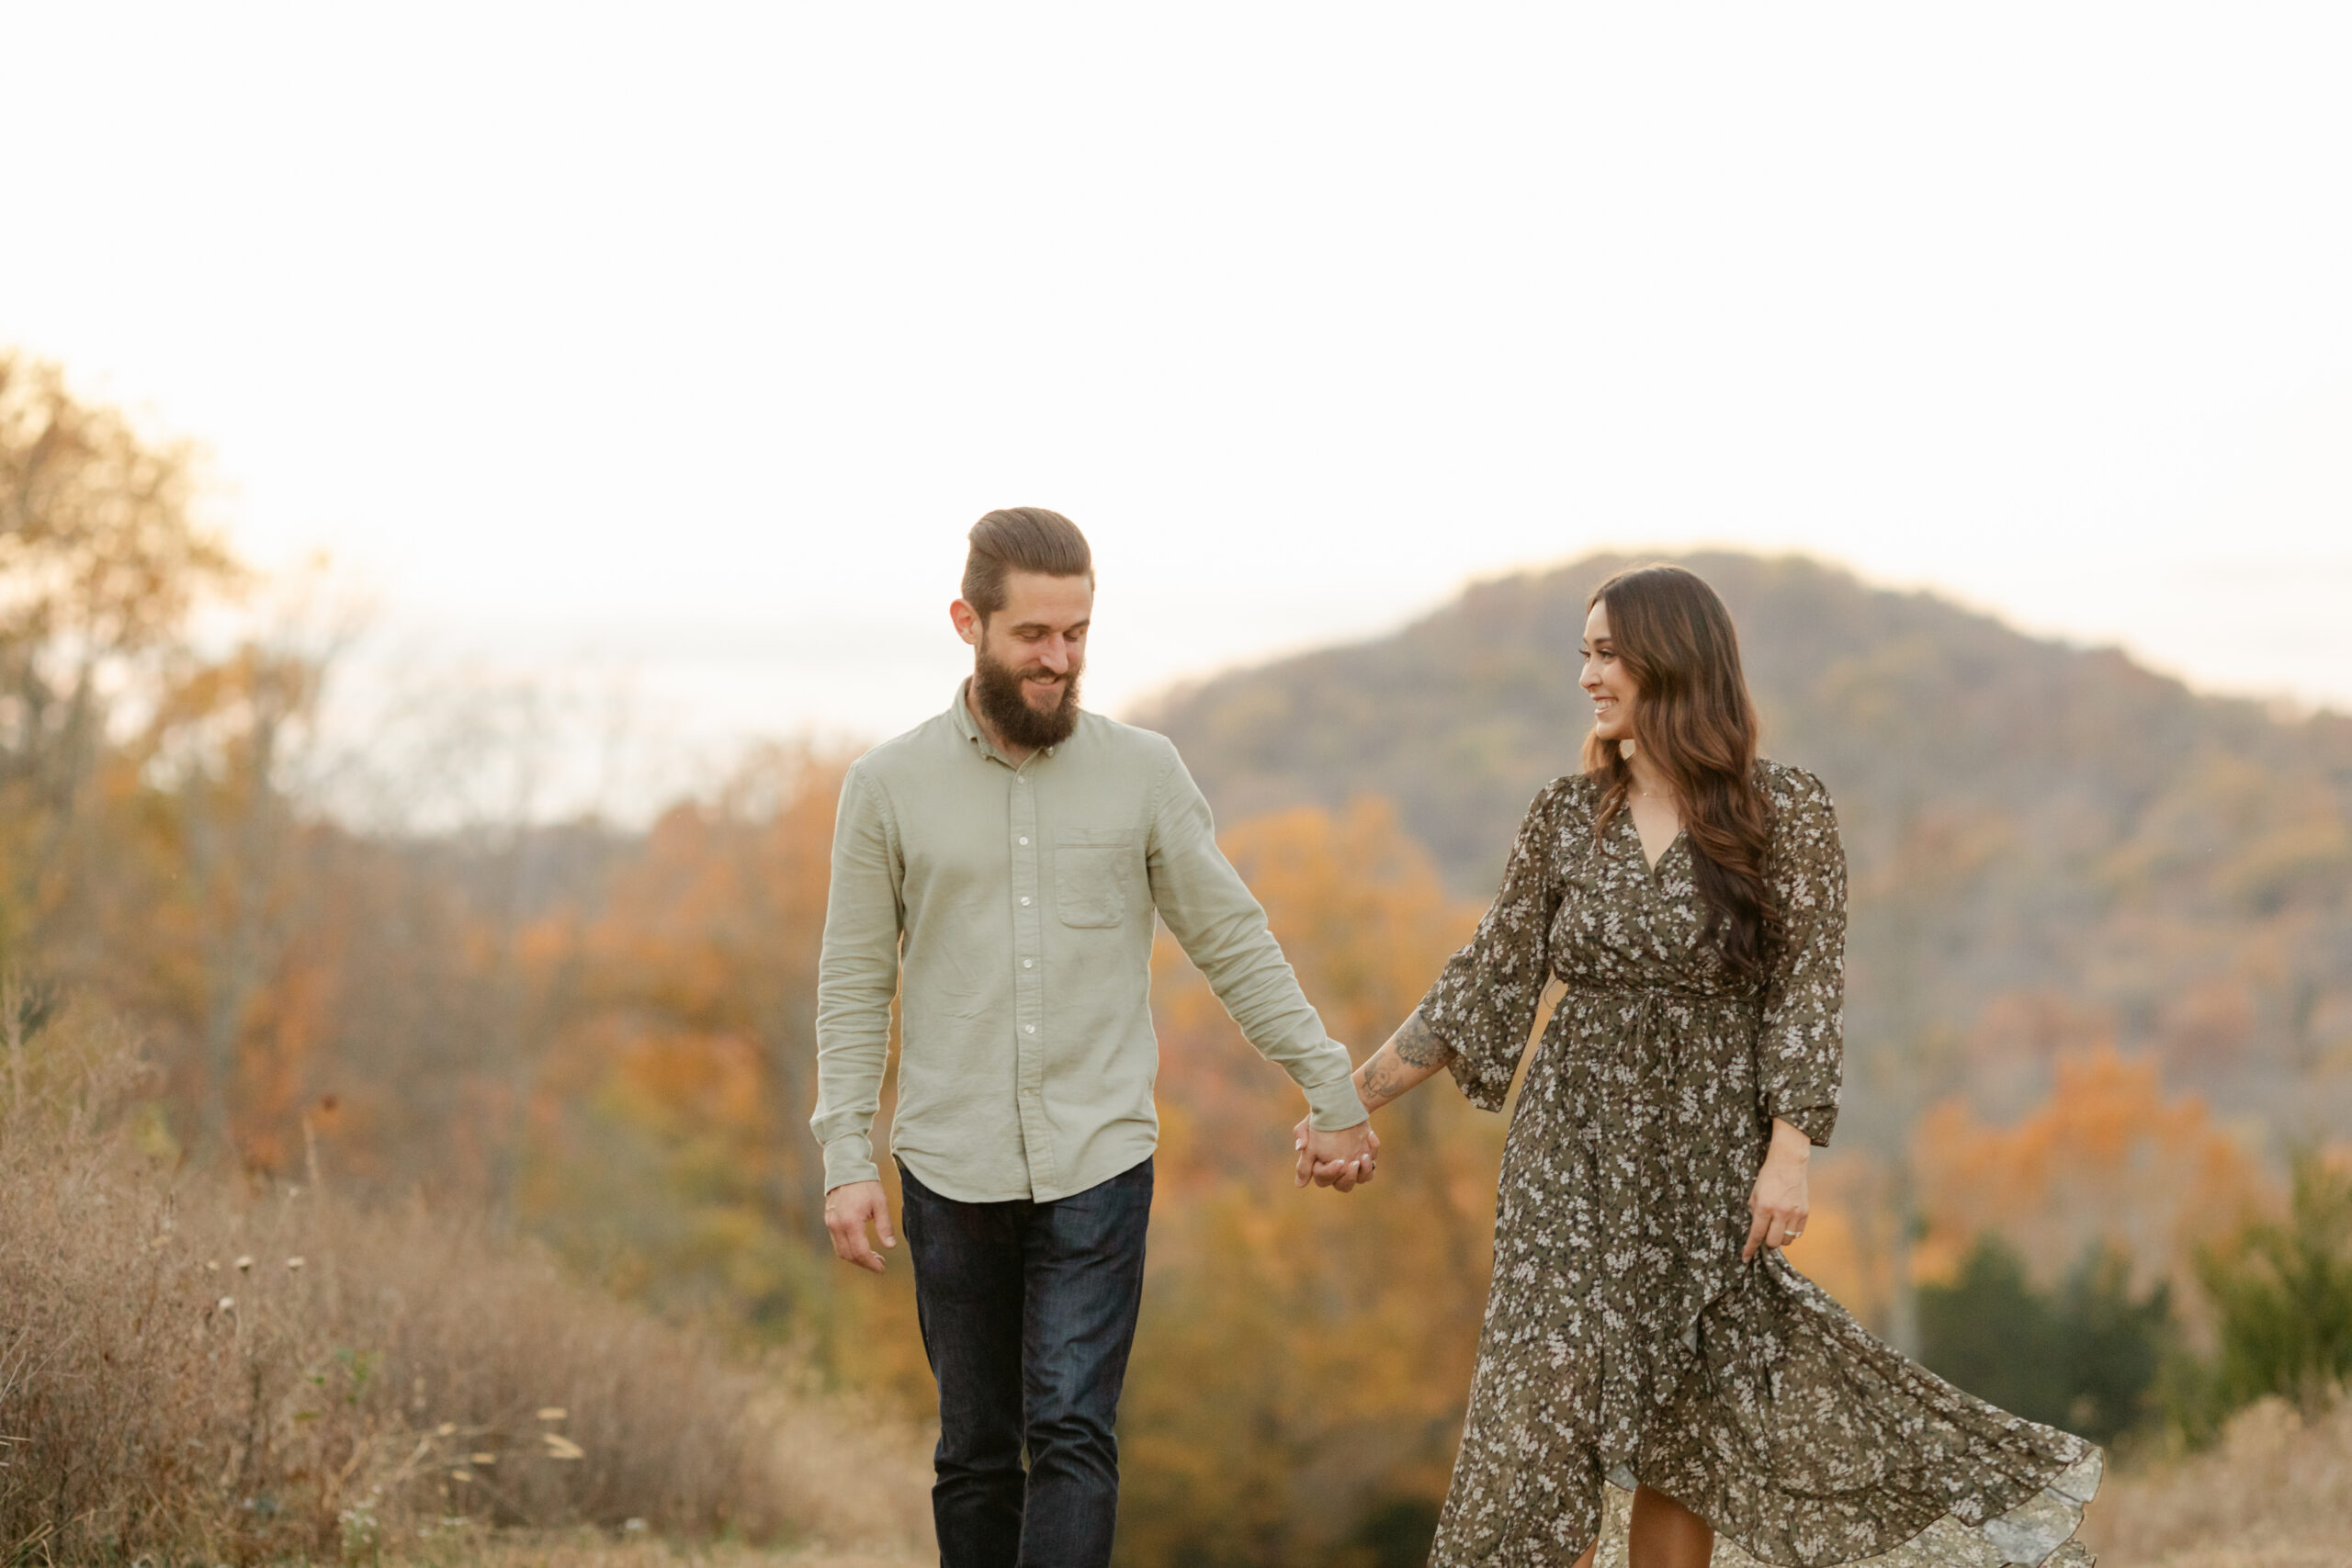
[(1032, 1029), (1024, 841), (1028, 963), (1024, 903)]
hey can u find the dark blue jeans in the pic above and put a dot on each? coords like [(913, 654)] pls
[(1028, 1310)]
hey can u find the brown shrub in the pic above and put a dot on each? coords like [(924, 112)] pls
[(191, 1367), (2275, 1492)]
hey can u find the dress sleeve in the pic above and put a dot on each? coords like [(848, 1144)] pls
[(1484, 1001), (1800, 1046)]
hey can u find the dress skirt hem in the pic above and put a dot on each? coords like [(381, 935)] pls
[(2038, 1533)]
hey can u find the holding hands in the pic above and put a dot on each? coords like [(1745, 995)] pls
[(1344, 1160)]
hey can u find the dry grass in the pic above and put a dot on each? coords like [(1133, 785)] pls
[(2275, 1493), (188, 1369), (469, 1548)]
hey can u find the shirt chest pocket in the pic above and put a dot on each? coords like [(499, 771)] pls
[(1094, 874)]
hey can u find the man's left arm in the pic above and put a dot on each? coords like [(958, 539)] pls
[(1223, 930)]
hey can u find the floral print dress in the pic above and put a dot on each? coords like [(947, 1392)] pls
[(1624, 1339)]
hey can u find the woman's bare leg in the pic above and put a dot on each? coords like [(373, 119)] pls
[(1586, 1561), (1667, 1535)]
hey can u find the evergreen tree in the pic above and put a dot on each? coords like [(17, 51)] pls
[(2111, 1346), (1991, 1332), (2284, 1293), (2085, 1357)]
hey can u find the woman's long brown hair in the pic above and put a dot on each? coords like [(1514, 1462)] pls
[(1697, 722)]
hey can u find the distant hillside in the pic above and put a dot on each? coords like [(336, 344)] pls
[(2048, 843)]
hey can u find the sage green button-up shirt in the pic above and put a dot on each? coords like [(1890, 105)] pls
[(1016, 905)]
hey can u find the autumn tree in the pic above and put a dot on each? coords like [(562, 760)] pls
[(2109, 1159), (101, 562), (1300, 1377), (673, 1145)]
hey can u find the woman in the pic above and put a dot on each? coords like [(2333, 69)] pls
[(1643, 1327)]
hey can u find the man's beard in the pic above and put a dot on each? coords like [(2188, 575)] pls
[(997, 688)]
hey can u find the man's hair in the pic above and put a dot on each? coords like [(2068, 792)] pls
[(1021, 538)]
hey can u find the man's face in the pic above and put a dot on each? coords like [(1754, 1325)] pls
[(1040, 634), (1036, 643)]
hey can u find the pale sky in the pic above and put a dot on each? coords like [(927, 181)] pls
[(683, 343)]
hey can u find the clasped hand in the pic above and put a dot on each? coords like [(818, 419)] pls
[(1344, 1160)]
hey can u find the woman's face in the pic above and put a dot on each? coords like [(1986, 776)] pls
[(1606, 680)]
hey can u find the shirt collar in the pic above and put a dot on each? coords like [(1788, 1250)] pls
[(961, 710)]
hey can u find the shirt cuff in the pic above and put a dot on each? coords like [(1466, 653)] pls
[(1813, 1121), (1335, 1105), (848, 1158)]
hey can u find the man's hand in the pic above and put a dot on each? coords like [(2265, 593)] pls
[(848, 1208), (1343, 1159)]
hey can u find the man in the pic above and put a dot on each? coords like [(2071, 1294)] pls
[(1011, 853)]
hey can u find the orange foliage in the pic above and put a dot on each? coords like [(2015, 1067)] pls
[(1360, 913), (703, 951), (1304, 1356), (2106, 1158), (669, 1148), (1846, 1248)]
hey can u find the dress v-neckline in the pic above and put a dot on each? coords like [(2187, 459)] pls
[(1634, 833)]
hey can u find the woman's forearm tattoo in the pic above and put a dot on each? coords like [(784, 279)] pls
[(1380, 1082), (1412, 1054), (1418, 1045)]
